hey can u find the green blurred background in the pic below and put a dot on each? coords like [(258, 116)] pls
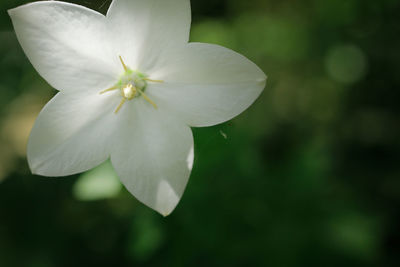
[(308, 176)]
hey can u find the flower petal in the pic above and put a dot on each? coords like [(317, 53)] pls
[(66, 44), (154, 155), (205, 84), (72, 134), (142, 28)]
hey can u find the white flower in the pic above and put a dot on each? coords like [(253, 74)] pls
[(130, 86)]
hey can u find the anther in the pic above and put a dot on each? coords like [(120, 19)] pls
[(153, 81), (123, 64), (148, 99), (120, 105), (109, 89)]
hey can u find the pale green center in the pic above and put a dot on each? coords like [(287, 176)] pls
[(131, 84)]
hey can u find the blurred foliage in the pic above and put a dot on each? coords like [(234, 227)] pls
[(308, 176)]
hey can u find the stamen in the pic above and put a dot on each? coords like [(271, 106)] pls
[(123, 64), (131, 83), (109, 89), (148, 99), (120, 105), (153, 81)]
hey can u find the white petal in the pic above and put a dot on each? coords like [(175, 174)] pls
[(67, 44), (154, 155), (142, 28), (72, 134), (205, 84)]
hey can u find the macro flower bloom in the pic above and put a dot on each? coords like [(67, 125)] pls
[(130, 87)]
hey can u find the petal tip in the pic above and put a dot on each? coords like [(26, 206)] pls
[(32, 167), (35, 169), (166, 211), (39, 168), (165, 214), (263, 81), (11, 12)]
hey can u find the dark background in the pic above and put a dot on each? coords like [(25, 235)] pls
[(307, 176)]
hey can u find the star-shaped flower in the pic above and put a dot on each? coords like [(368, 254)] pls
[(130, 87)]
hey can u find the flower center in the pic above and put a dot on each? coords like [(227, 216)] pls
[(131, 84)]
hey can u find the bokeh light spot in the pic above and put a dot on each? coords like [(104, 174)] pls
[(99, 183), (346, 63)]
